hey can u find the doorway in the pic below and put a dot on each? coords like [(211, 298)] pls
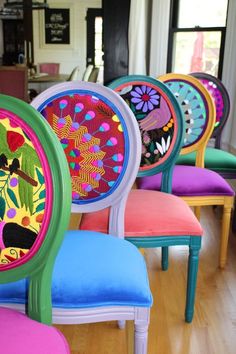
[(94, 38)]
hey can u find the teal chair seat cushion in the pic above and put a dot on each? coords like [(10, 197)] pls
[(92, 269), (215, 159)]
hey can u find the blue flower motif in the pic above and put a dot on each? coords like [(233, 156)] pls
[(145, 98)]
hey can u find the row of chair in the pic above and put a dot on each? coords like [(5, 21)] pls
[(96, 277), (90, 74)]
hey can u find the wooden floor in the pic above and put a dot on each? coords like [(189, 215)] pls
[(213, 330)]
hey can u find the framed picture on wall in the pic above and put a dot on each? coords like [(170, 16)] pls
[(57, 26)]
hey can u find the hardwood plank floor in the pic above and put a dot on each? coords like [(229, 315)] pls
[(213, 330)]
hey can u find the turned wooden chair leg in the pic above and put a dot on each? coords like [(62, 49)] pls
[(225, 231), (121, 324), (194, 248), (141, 323), (164, 258), (197, 212)]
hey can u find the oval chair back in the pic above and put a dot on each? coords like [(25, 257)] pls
[(221, 99), (101, 140), (199, 112), (32, 220), (160, 121), (74, 74), (49, 68), (34, 180)]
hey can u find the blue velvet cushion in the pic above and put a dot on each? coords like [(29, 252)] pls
[(93, 269)]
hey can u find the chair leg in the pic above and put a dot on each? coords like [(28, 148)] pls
[(164, 258), (234, 218), (121, 324), (225, 234), (197, 212), (141, 323), (195, 245)]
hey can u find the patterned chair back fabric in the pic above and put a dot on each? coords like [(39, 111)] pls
[(221, 99), (199, 112)]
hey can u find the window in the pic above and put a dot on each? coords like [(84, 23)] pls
[(197, 36)]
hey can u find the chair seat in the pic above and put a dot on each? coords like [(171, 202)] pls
[(21, 335), (215, 159), (189, 181), (149, 213), (82, 277)]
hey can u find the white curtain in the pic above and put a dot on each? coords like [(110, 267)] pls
[(137, 37), (148, 36)]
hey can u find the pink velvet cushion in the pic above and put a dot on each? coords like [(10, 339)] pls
[(149, 213), (21, 335), (190, 181)]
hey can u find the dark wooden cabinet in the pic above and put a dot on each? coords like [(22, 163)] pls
[(13, 40)]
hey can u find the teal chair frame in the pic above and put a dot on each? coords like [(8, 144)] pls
[(166, 168)]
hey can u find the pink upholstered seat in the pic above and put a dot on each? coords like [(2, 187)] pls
[(21, 335), (164, 215)]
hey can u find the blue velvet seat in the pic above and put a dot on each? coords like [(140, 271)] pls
[(93, 285)]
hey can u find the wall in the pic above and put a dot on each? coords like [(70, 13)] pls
[(68, 56)]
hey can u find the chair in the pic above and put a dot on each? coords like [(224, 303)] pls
[(14, 82), (216, 159), (156, 219), (197, 185), (87, 72), (32, 224), (49, 68), (96, 277), (94, 75), (74, 74)]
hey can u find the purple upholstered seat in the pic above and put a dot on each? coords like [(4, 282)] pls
[(190, 181)]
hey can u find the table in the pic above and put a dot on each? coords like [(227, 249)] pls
[(41, 82)]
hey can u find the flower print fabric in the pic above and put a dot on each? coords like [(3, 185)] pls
[(145, 98)]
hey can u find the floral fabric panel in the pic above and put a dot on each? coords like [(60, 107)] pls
[(22, 192), (217, 97), (192, 103), (96, 147), (155, 120)]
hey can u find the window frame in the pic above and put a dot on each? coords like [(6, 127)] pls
[(173, 28)]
